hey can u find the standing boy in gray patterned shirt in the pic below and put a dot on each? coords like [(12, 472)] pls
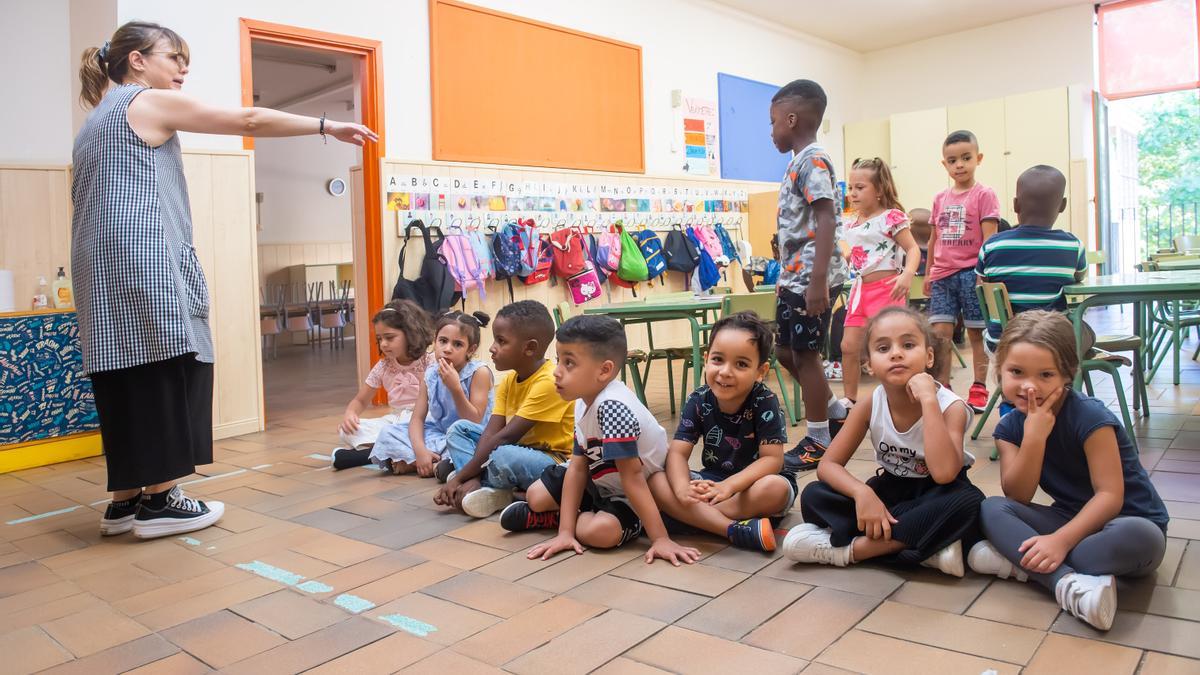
[(813, 272)]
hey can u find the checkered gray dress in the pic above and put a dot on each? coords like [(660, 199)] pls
[(140, 293)]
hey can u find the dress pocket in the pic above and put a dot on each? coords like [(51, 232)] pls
[(194, 282)]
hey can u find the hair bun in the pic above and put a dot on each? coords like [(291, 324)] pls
[(482, 318)]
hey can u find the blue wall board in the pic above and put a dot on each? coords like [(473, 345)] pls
[(746, 149)]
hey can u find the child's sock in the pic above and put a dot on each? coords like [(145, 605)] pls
[(835, 408), (346, 458), (819, 432)]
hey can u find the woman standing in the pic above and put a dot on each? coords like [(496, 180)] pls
[(141, 296)]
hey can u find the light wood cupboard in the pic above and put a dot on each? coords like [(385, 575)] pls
[(916, 143)]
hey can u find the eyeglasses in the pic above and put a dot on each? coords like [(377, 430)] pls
[(180, 58)]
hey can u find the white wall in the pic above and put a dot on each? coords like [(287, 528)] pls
[(35, 48), (684, 44), (291, 173), (1043, 51), (91, 23)]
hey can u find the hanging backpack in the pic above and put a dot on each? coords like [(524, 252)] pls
[(568, 253), (633, 264), (707, 274), (433, 289), (652, 252), (585, 285), (462, 263), (542, 261), (591, 251), (506, 255), (727, 246), (527, 244), (708, 240), (608, 252), (483, 252), (680, 252)]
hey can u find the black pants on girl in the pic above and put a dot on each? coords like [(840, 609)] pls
[(931, 515)]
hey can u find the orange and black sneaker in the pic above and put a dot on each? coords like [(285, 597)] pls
[(755, 534), (518, 517), (804, 456)]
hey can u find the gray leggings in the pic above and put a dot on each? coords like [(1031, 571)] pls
[(1127, 545)]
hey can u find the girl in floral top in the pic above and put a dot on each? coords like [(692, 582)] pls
[(883, 255)]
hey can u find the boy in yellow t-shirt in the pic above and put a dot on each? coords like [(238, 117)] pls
[(531, 426)]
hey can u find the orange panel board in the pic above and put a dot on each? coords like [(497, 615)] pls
[(510, 90)]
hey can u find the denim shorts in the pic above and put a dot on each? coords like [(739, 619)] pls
[(954, 295)]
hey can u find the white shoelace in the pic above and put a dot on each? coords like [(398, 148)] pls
[(177, 499)]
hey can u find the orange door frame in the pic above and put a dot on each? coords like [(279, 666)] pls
[(371, 53)]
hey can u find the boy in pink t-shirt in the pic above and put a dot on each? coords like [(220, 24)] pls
[(963, 217)]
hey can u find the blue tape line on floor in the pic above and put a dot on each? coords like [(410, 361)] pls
[(190, 541), (314, 587), (271, 572), (39, 516), (317, 455), (409, 624), (353, 603)]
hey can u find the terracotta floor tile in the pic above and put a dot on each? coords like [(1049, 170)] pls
[(741, 560), (456, 552), (30, 649), (1155, 663), (588, 645), (488, 533), (337, 550), (1165, 574), (1141, 631), (404, 582), (222, 638), (934, 590), (38, 596), (289, 613), (177, 592), (177, 664), (698, 578), (178, 564), (200, 605), (516, 566), (49, 611), (447, 661), (1020, 604), (23, 577), (119, 659), (384, 656), (314, 649), (112, 586), (635, 597), (744, 607), (451, 622), (1189, 567), (862, 652), (1184, 487), (372, 507), (951, 631), (861, 579), (94, 630), (682, 650), (1141, 595), (367, 571), (812, 623), (815, 668), (526, 631), (51, 543), (1065, 654), (626, 666), (487, 594), (332, 520), (567, 570), (1184, 528)]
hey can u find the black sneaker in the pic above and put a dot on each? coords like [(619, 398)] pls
[(755, 534), (443, 469), (804, 456), (518, 517), (169, 513), (348, 458), (118, 516), (835, 425)]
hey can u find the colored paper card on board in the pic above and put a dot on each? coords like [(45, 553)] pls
[(692, 124), (694, 138), (696, 151)]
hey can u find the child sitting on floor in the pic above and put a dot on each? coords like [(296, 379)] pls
[(403, 333), (1106, 519), (743, 431), (600, 498), (454, 387), (920, 507), (531, 425)]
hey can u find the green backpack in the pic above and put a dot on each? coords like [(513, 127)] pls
[(633, 263)]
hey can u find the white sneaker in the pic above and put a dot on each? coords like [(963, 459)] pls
[(807, 543), (949, 560), (833, 371), (1089, 598), (485, 501), (985, 559), (179, 515)]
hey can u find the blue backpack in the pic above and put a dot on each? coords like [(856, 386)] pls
[(506, 251), (652, 251), (727, 246), (707, 273)]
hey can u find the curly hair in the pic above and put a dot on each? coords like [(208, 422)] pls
[(760, 332), (408, 317)]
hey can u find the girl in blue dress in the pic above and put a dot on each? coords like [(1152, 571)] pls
[(455, 387)]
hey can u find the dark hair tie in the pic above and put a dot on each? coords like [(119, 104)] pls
[(102, 54)]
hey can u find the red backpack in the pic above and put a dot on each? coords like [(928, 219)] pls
[(542, 262), (568, 253)]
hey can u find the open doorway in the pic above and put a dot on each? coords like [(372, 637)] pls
[(314, 268)]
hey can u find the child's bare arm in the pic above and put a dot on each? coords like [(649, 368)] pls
[(989, 227), (416, 424), (471, 407), (1021, 467), (568, 512), (638, 493), (943, 431), (818, 285), (355, 407), (769, 463)]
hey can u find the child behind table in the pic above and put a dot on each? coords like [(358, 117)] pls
[(454, 387), (921, 506), (403, 333), (1107, 519)]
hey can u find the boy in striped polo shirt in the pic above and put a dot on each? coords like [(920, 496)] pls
[(1033, 260)]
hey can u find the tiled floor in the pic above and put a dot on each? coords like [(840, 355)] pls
[(359, 572)]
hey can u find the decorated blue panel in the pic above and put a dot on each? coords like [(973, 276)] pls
[(43, 391)]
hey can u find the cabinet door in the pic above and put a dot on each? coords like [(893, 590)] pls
[(1037, 128), (866, 140), (916, 156), (985, 119)]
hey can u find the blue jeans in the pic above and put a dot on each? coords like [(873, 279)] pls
[(508, 467)]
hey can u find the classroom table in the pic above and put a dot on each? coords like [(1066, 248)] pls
[(651, 310), (1135, 288)]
